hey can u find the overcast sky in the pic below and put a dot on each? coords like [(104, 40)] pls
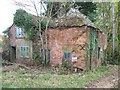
[(7, 8)]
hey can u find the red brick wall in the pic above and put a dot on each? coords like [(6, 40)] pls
[(60, 40), (12, 36), (17, 42), (68, 39)]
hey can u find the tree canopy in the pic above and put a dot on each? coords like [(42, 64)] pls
[(87, 8), (100, 13)]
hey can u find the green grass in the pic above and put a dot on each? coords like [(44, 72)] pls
[(26, 79)]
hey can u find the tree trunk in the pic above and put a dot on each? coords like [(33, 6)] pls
[(113, 30)]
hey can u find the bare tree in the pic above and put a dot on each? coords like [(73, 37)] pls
[(39, 9), (113, 29)]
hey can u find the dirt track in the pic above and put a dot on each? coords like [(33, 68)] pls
[(109, 80)]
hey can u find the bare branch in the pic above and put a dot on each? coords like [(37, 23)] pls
[(33, 2)]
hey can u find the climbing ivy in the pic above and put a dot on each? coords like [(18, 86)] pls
[(29, 22), (92, 49), (24, 20), (34, 27), (87, 53)]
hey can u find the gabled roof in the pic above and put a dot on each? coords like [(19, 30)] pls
[(7, 30), (73, 18), (76, 13)]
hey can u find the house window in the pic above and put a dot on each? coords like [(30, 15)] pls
[(67, 55), (24, 51), (19, 32)]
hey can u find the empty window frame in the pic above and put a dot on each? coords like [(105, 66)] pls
[(67, 56)]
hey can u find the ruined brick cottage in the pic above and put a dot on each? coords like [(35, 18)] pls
[(73, 37)]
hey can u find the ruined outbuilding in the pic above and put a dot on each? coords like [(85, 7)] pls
[(75, 39), (72, 38)]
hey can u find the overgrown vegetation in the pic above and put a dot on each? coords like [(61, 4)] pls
[(5, 47), (100, 13), (34, 27), (107, 20), (92, 50), (59, 9), (22, 78)]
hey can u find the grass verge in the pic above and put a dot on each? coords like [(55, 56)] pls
[(26, 79)]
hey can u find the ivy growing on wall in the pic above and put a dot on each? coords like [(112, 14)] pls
[(92, 50), (29, 22), (33, 26), (87, 53)]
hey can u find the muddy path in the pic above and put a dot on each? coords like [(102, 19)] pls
[(110, 80)]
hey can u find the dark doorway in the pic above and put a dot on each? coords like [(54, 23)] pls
[(13, 53), (98, 52)]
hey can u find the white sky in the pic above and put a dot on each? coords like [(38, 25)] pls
[(7, 9)]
